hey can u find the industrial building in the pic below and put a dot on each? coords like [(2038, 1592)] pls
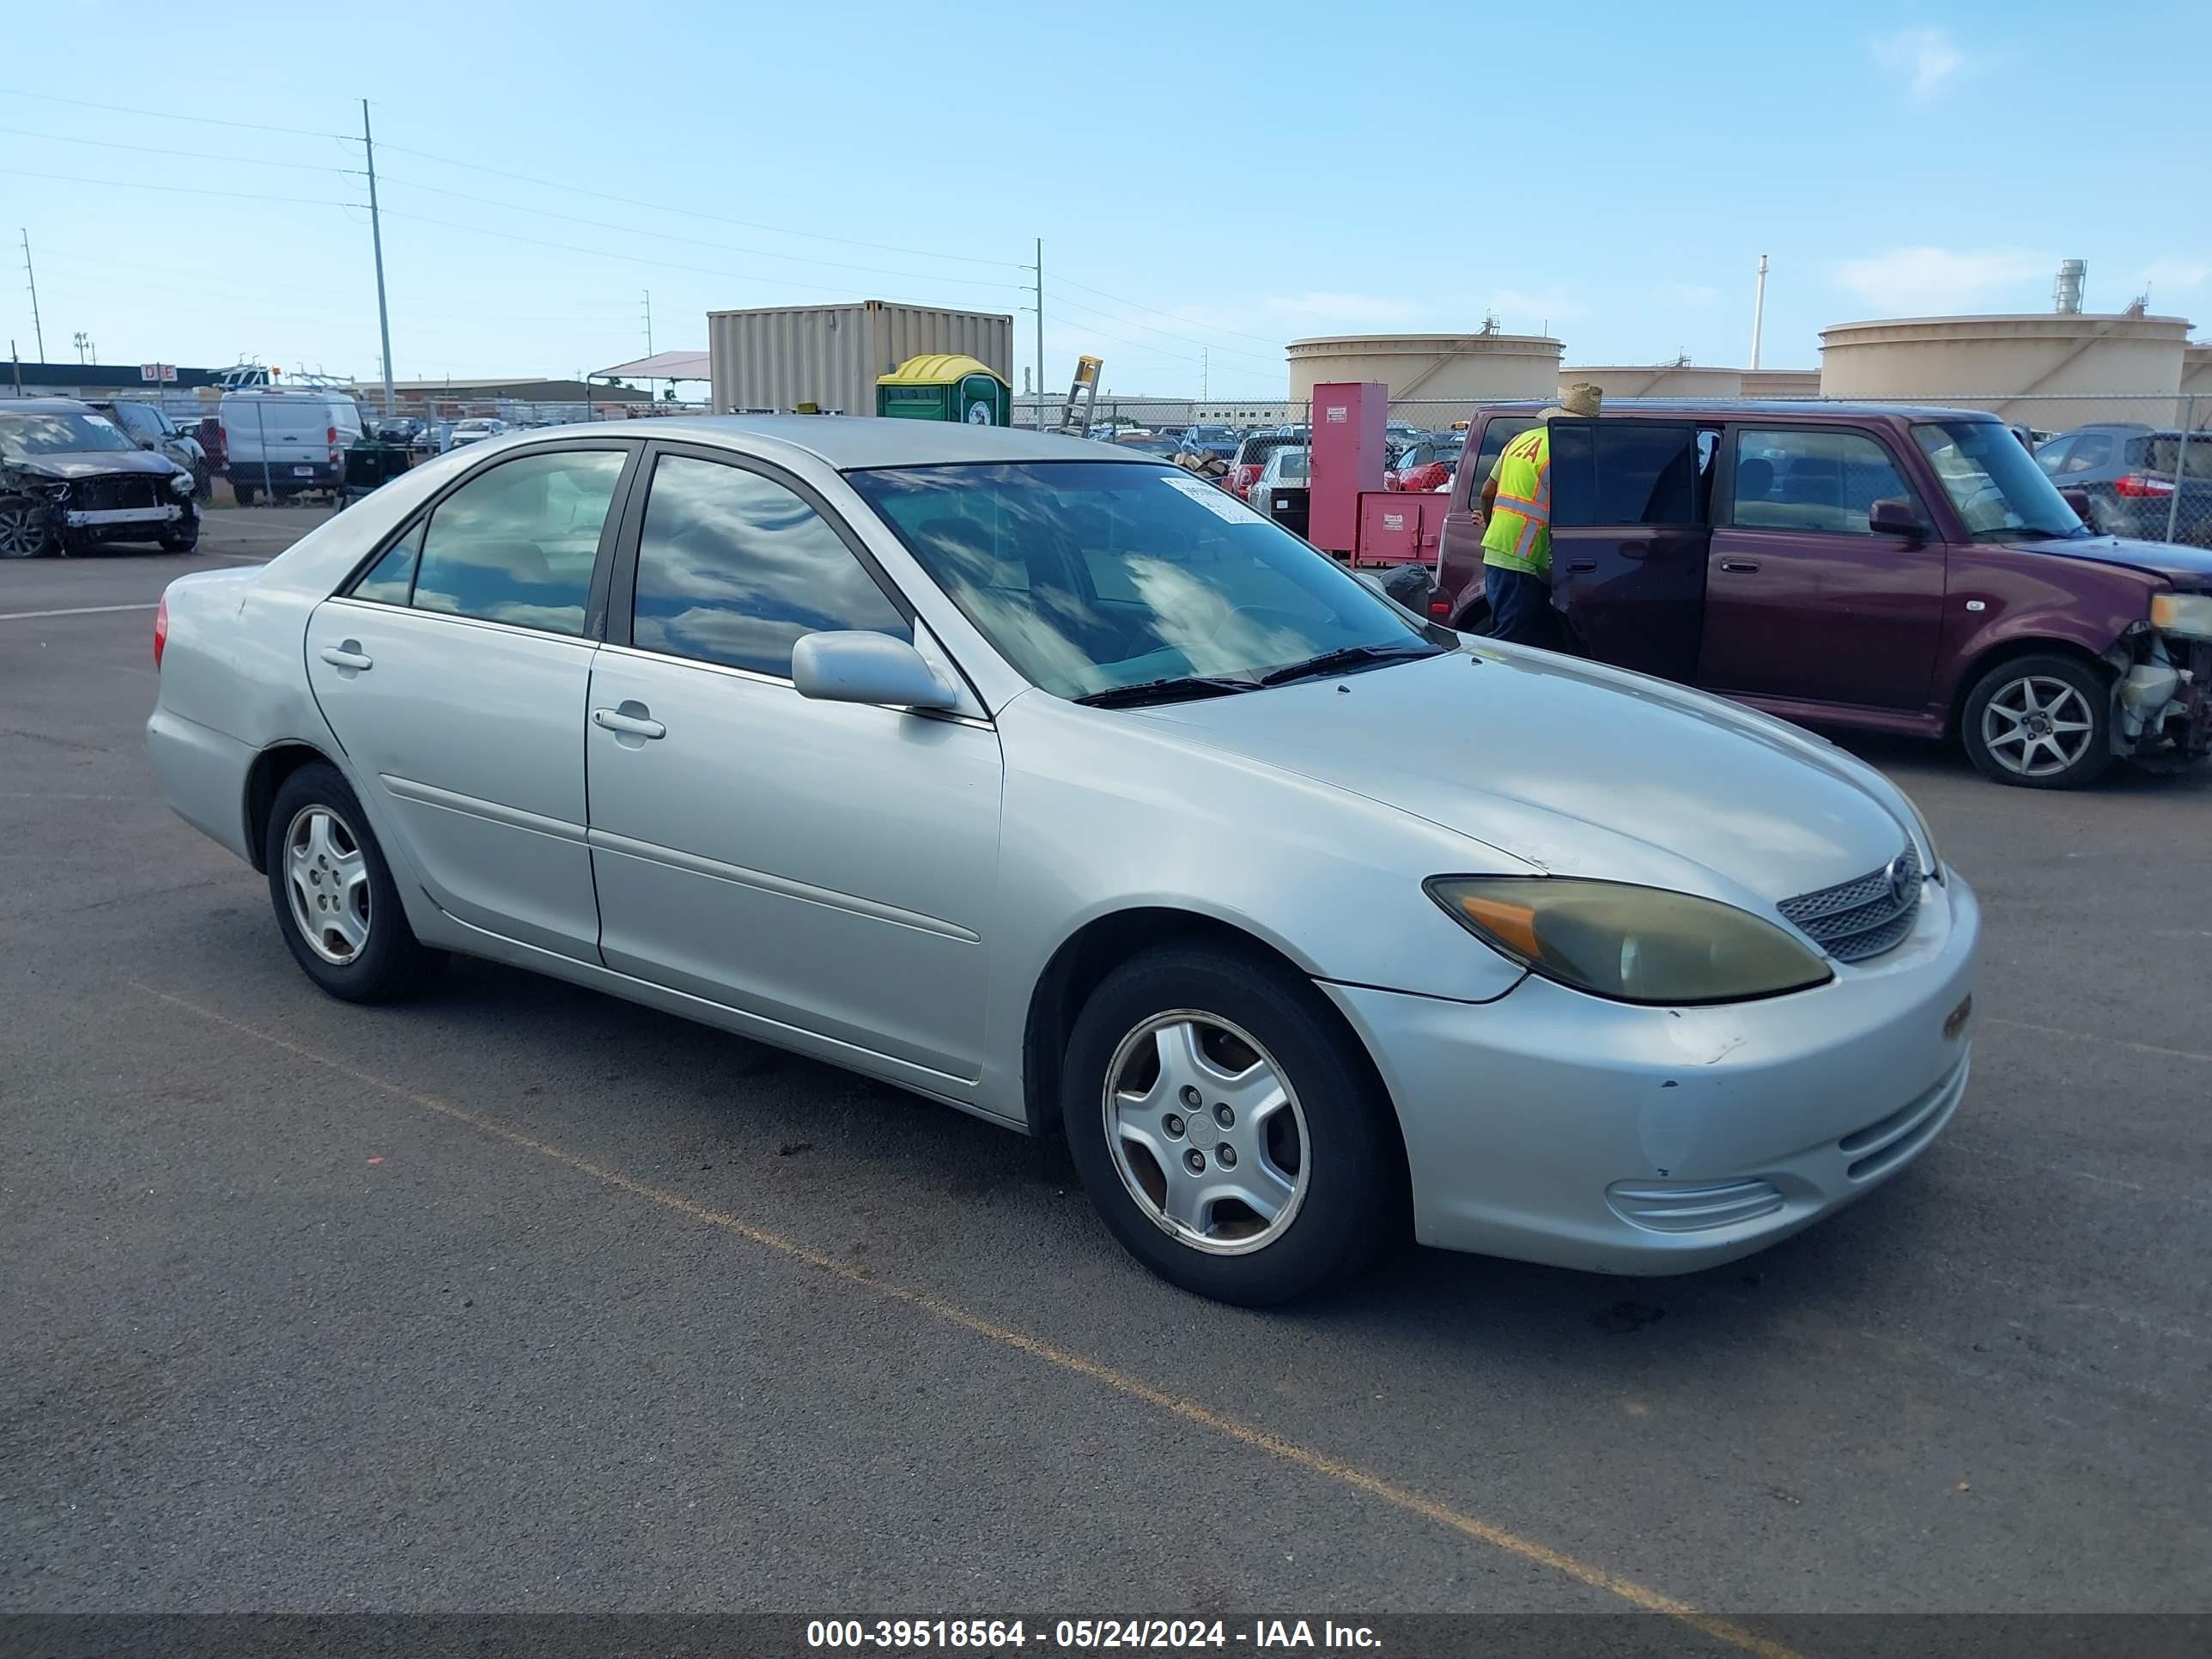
[(826, 359), (1486, 366)]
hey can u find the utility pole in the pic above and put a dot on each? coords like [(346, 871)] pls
[(651, 391), (1040, 331), (37, 327), (1758, 312), (376, 242), (1203, 357), (81, 340)]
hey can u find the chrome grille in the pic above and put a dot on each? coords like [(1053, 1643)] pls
[(1855, 919)]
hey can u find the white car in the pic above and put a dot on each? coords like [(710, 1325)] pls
[(475, 431), (1046, 781)]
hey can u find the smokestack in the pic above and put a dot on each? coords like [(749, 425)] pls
[(2066, 295), (1758, 312)]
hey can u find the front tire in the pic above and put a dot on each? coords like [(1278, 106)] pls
[(1226, 1127), (337, 904), (2041, 722), (181, 541), (21, 535)]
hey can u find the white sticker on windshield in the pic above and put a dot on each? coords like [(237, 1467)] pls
[(102, 420), (1217, 501)]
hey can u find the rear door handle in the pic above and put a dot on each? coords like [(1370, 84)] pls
[(1741, 566), (1582, 564), (348, 655), (613, 719)]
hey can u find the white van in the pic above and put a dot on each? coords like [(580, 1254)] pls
[(283, 441)]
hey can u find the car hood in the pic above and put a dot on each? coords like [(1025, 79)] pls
[(1576, 770), (95, 464), (2186, 567)]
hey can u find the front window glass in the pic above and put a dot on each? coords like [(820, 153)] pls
[(1088, 576), (63, 433), (517, 543), (1821, 480), (734, 568), (1994, 483)]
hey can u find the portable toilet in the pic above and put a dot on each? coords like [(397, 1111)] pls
[(945, 387)]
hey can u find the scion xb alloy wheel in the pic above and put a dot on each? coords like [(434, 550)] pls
[(2043, 722), (327, 877), (1206, 1132)]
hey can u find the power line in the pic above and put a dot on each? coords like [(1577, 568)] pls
[(1157, 311), (176, 190), (186, 155), (690, 242), (170, 115), (1231, 351)]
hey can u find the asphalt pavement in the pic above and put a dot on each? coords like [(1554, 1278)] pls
[(520, 1298)]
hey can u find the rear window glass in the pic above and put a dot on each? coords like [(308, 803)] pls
[(2167, 453), (1623, 472)]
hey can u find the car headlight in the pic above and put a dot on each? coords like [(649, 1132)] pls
[(181, 483), (1630, 944), (2189, 615)]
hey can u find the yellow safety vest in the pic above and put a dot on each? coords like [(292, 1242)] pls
[(1519, 534)]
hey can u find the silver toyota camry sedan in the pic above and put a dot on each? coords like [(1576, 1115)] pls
[(1053, 784)]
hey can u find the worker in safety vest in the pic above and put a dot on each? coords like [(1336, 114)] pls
[(1516, 536)]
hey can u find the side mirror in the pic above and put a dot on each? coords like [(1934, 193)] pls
[(857, 666), (1894, 517), (2079, 500)]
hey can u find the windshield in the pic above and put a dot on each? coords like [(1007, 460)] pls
[(66, 433), (1997, 486), (1089, 576)]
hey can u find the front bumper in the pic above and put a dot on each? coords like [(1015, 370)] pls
[(1552, 1126), (124, 517)]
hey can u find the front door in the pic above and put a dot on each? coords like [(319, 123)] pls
[(1628, 539), (1804, 601), (822, 865), (454, 672)]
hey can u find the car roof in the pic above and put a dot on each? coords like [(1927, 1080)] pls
[(43, 406), (1765, 409), (851, 442)]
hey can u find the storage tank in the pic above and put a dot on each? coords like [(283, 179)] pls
[(2016, 365), (1674, 381), (1457, 369), (1782, 383), (779, 357), (2196, 380)]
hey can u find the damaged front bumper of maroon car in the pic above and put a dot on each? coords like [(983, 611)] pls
[(2163, 701)]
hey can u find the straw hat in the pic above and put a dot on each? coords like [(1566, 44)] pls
[(1582, 401)]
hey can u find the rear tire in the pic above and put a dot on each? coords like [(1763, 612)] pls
[(1196, 1053), (1474, 619), (336, 903), (2041, 722), (244, 494)]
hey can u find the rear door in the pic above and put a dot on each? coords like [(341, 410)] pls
[(1805, 601), (454, 672), (1629, 538)]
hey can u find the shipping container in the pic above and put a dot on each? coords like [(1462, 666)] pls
[(783, 357)]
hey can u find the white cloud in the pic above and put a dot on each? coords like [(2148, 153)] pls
[(1936, 279), (1928, 56)]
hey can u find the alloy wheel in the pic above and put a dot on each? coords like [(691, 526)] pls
[(327, 879), (19, 537), (2037, 725), (1207, 1133)]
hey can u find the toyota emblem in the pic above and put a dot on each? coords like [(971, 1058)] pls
[(1900, 876)]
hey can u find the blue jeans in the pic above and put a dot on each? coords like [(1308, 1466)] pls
[(1520, 607)]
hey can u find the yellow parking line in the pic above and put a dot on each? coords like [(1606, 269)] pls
[(2090, 1037), (1189, 1411)]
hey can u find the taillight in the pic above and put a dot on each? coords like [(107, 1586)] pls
[(160, 628), (1440, 607), (2139, 485), (330, 436)]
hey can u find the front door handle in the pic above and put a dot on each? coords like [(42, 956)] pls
[(1741, 566), (630, 726), (348, 654)]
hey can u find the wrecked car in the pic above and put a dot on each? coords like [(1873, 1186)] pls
[(71, 479)]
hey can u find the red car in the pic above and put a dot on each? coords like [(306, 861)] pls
[(1251, 460), (1894, 569), (1426, 464)]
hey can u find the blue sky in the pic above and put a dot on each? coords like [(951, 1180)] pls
[(1205, 190)]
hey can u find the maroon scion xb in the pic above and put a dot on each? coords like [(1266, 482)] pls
[(1894, 569)]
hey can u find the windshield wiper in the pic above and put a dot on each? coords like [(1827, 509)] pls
[(1176, 690), (1350, 656)]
